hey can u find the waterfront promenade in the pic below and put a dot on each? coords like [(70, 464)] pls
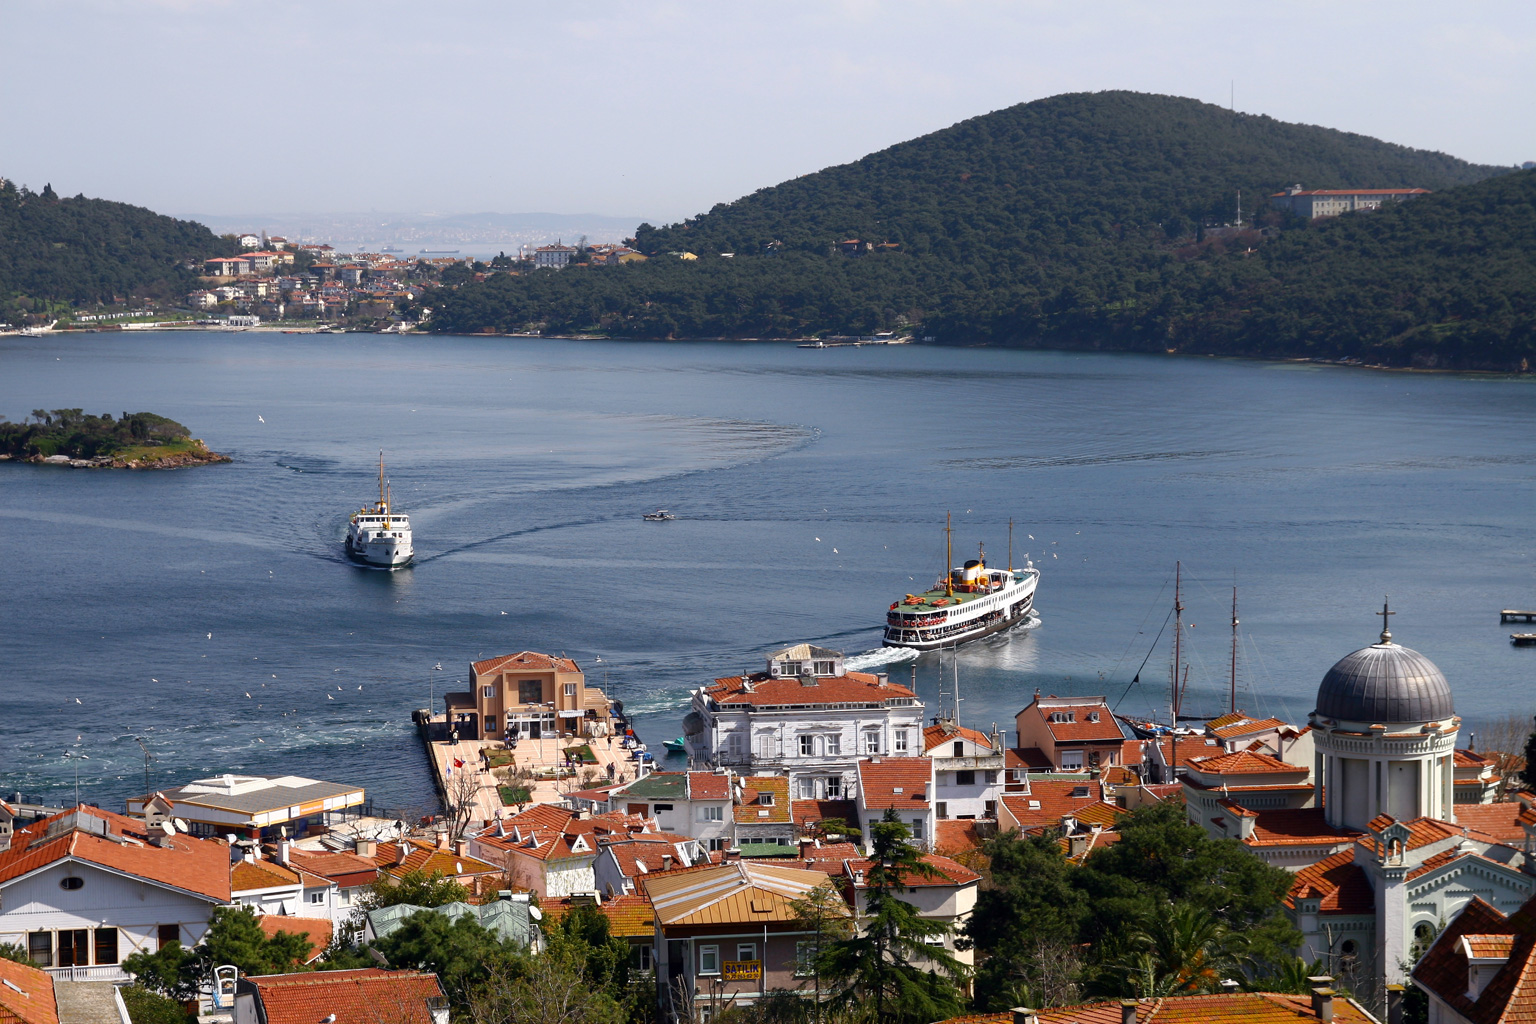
[(544, 758)]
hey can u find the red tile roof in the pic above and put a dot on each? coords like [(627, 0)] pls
[(1247, 1007), (954, 836), (1421, 831), (1499, 821), (1243, 762), (427, 858), (1298, 826), (809, 813), (708, 786), (1106, 729), (945, 873), (316, 929), (1510, 995), (355, 997), (1245, 727), (1340, 884), (1027, 757), (345, 869), (933, 735), (198, 866), (1355, 192), (750, 810), (629, 916), (246, 876), (1471, 759), (899, 782), (1048, 800), (1190, 747), (531, 661), (26, 995), (851, 688), (657, 851)]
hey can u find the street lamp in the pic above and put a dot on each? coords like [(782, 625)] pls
[(77, 758)]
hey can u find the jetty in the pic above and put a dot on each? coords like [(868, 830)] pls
[(1516, 615), (1523, 639)]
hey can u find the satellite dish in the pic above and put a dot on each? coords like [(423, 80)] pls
[(282, 830), (535, 913), (181, 826), (167, 828)]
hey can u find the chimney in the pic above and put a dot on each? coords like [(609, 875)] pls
[(1024, 1015), (401, 851), (1394, 1004), (461, 848), (666, 862), (442, 840), (1077, 846), (858, 876), (883, 678), (1128, 1011), (283, 846), (367, 848), (1322, 1003), (1230, 986)]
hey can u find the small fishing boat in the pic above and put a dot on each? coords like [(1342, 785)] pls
[(661, 515), (676, 746)]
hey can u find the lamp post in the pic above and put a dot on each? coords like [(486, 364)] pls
[(77, 758)]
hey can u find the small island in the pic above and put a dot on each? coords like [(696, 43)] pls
[(68, 437)]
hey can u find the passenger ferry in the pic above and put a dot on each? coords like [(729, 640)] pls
[(378, 535), (972, 601)]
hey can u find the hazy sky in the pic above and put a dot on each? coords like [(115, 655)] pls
[(660, 110)]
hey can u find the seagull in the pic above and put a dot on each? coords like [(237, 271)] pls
[(834, 551), (439, 666), (247, 693), (79, 701), (503, 613), (359, 686), (340, 687), (259, 419), (153, 679), (818, 540), (329, 697), (210, 636)]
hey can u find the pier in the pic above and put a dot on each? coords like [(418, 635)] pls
[(1516, 615)]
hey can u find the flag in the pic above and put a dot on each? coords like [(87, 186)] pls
[(458, 762)]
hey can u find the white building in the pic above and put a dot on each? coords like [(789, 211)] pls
[(555, 256), (84, 889), (806, 717), (622, 862), (255, 804), (967, 770), (902, 784)]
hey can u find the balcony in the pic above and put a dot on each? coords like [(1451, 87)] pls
[(103, 972), (991, 762)]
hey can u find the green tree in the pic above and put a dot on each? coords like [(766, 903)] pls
[(887, 964), (173, 971), (1181, 950), (825, 914), (1528, 773), (17, 952), (235, 937), (462, 953), (550, 988), (146, 1007), (417, 888)]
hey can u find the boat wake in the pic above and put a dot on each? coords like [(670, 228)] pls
[(867, 660)]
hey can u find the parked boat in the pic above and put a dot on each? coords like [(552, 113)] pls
[(971, 601), (661, 515), (676, 746)]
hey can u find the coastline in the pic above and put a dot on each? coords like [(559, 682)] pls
[(197, 455)]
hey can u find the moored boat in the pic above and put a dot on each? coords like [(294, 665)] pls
[(377, 534), (971, 601)]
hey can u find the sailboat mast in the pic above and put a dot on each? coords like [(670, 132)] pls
[(1010, 544), (1232, 704), (949, 553)]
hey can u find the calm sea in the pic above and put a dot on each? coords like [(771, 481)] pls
[(209, 612)]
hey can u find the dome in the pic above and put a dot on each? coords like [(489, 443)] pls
[(1385, 683)]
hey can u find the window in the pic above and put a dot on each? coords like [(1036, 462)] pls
[(645, 962), (917, 829), (991, 810), (1093, 716), (658, 808), (488, 692), (318, 896), (965, 778), (834, 744), (765, 744), (530, 691), (823, 668), (943, 809), (74, 947), (835, 787), (712, 814), (490, 724), (71, 883), (872, 741), (716, 845), (807, 788), (765, 799), (570, 689), (899, 741), (746, 951), (167, 933), (1061, 717), (1071, 760), (709, 959), (40, 948), (733, 743), (789, 668), (1079, 791), (805, 959), (807, 746), (106, 945)]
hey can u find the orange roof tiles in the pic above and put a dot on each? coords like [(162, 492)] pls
[(26, 995), (1244, 727), (345, 869), (809, 813), (316, 929), (427, 858), (1190, 747), (1499, 821), (1338, 882), (1421, 831), (1243, 762), (198, 866), (755, 788), (247, 875), (766, 691), (354, 997), (1297, 826), (899, 782), (708, 786), (531, 661), (955, 836), (1248, 1007), (1106, 729), (933, 735), (629, 916), (1027, 758), (1049, 799), (1510, 995), (946, 872), (1471, 759)]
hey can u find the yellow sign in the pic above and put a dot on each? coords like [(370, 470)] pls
[(743, 970)]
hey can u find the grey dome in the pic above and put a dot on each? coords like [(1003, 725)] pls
[(1385, 683)]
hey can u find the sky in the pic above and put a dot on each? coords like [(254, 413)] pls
[(658, 110)]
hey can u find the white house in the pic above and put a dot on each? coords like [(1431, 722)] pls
[(84, 889), (967, 770), (806, 717), (902, 784), (552, 851)]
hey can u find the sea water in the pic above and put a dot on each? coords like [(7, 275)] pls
[(210, 613)]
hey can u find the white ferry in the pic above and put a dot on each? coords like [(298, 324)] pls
[(972, 601), (378, 535)]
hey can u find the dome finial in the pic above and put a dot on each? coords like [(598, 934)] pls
[(1386, 634)]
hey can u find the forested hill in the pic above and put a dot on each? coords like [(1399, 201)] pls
[(88, 250), (1079, 166), (1074, 221)]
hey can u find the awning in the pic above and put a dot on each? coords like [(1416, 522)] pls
[(569, 714)]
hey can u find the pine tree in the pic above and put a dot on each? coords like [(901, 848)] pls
[(888, 964)]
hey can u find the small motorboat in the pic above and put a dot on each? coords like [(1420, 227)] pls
[(676, 746), (661, 515)]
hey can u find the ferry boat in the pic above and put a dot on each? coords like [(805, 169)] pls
[(378, 535), (972, 601)]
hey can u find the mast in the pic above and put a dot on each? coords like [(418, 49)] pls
[(1010, 544), (949, 554), (1178, 651), (1232, 704), (386, 508), (381, 476)]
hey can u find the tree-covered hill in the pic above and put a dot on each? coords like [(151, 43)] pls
[(1075, 220), (91, 250)]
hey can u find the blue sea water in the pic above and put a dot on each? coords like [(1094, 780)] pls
[(210, 612)]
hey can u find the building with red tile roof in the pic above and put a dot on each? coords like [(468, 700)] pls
[(553, 851), (316, 930), (968, 770), (1481, 969), (621, 862), (805, 716), (1072, 732), (899, 784), (1225, 1008), (1246, 777), (1047, 802), (529, 695), (88, 887), (26, 995), (364, 996)]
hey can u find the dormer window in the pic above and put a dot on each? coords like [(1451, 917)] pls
[(1061, 717), (765, 799), (823, 668), (1093, 716)]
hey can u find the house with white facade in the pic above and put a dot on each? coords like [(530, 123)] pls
[(82, 890), (967, 770), (904, 785), (550, 850), (806, 717), (623, 862)]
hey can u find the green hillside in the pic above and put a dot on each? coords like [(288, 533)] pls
[(1074, 220), (83, 250)]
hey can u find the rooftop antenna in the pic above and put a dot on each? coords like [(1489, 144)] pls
[(1239, 209), (77, 758), (148, 757)]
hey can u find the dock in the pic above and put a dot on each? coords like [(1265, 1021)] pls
[(1516, 615), (1523, 639)]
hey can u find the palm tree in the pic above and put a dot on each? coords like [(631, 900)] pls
[(1180, 949)]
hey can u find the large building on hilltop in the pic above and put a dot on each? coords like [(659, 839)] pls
[(1330, 202), (1381, 859)]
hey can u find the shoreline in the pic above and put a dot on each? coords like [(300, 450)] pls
[(200, 455)]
